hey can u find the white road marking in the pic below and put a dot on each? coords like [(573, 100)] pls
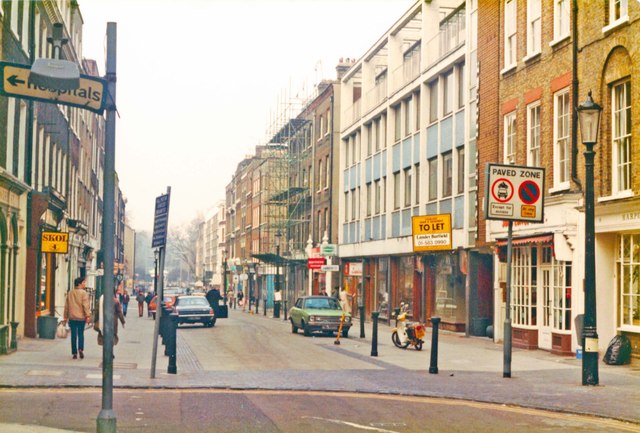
[(351, 424)]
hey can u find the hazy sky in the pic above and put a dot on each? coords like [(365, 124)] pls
[(199, 82)]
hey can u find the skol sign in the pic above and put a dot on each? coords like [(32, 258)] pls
[(55, 242)]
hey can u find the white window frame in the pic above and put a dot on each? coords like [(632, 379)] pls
[(618, 14), (510, 138), (561, 140), (533, 134), (561, 20), (626, 266), (510, 33), (534, 27), (621, 128)]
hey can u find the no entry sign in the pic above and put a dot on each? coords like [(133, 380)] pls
[(514, 193)]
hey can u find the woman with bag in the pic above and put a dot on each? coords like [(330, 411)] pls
[(77, 312)]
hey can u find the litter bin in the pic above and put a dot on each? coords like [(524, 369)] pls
[(47, 327)]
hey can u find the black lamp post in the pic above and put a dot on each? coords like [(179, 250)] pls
[(276, 303), (589, 119)]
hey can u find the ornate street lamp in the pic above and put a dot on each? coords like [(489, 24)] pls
[(589, 119)]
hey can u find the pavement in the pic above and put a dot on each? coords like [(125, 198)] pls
[(469, 368)]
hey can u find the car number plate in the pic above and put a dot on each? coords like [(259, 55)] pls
[(327, 327)]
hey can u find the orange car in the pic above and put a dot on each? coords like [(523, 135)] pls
[(169, 300)]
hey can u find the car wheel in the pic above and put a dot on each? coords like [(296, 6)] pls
[(294, 328), (154, 316), (306, 330), (213, 323)]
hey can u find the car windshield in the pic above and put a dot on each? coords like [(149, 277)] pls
[(198, 301), (322, 304)]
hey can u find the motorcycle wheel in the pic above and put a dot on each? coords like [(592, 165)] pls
[(419, 345), (396, 340)]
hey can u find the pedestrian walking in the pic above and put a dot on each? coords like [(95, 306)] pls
[(77, 313), (232, 299), (148, 300), (213, 296), (117, 315), (140, 299), (345, 300), (124, 299)]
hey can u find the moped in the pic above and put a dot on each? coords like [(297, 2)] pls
[(407, 333)]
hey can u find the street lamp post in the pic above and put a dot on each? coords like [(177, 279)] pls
[(589, 119)]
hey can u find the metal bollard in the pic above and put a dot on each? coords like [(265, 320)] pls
[(374, 336), (172, 344), (361, 307), (264, 307), (396, 313), (257, 303), (433, 368), (285, 310)]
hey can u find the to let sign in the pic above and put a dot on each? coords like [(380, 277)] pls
[(90, 95), (514, 193), (431, 232), (55, 242)]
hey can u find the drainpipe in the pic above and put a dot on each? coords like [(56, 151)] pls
[(331, 162), (574, 96)]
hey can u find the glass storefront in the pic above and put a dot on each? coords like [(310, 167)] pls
[(382, 292), (405, 284), (449, 290)]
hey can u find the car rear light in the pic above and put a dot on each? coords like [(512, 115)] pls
[(210, 310)]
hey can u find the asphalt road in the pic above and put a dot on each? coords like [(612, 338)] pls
[(251, 374), (196, 411)]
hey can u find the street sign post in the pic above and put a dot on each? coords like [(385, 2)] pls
[(431, 232), (91, 94), (514, 193), (161, 220)]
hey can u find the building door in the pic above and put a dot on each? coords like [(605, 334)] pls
[(545, 308)]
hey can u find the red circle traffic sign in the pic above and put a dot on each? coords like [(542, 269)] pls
[(502, 190), (529, 192)]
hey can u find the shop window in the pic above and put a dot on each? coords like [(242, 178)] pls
[(628, 281)]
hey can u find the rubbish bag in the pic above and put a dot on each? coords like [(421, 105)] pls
[(619, 351)]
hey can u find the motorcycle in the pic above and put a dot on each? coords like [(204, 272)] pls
[(407, 333)]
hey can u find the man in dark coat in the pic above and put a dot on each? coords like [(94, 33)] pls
[(213, 296)]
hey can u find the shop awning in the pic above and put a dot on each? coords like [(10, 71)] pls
[(538, 239), (274, 259)]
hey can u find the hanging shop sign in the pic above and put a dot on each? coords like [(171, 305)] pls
[(431, 232), (55, 242)]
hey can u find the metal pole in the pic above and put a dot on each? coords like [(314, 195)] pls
[(106, 421), (433, 366), (361, 308), (506, 371), (374, 333), (590, 335)]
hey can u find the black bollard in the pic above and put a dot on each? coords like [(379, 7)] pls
[(173, 344), (374, 336), (257, 303), (361, 307), (264, 307), (285, 310), (435, 322), (396, 313)]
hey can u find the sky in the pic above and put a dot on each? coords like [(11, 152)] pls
[(200, 82)]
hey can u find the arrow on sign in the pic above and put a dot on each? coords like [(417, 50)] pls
[(13, 80)]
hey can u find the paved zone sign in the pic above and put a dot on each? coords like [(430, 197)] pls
[(514, 193), (54, 242), (431, 232), (91, 94)]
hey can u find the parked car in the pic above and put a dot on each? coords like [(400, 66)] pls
[(194, 309), (318, 314), (168, 301)]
